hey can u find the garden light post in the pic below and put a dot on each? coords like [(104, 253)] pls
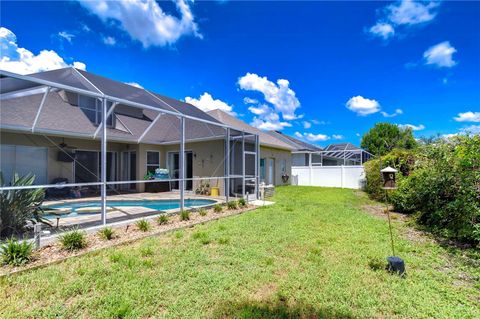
[(395, 264)]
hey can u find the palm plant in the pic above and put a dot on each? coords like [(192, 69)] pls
[(17, 207)]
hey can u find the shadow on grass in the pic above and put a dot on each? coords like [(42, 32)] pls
[(278, 309)]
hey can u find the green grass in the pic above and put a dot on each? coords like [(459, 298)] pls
[(314, 254)]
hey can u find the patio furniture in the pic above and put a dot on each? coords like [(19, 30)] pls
[(60, 191)]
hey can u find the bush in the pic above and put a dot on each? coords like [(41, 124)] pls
[(202, 212), (106, 233), (232, 205), (16, 253), (439, 183), (162, 219), (242, 202), (217, 208), (143, 225), (184, 215), (73, 240), (17, 207)]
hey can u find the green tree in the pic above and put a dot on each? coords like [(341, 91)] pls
[(384, 137)]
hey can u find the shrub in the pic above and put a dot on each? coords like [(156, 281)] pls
[(143, 225), (217, 208), (232, 205), (242, 202), (184, 215), (16, 253), (106, 233), (73, 240), (202, 212), (17, 207), (162, 219)]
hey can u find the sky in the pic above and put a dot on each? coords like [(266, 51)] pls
[(324, 72)]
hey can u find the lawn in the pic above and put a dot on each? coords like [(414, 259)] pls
[(310, 255)]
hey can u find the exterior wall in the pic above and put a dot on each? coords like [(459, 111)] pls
[(279, 155), (56, 168), (329, 176)]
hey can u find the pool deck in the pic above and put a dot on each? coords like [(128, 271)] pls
[(116, 214)]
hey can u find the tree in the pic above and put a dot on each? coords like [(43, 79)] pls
[(384, 137)]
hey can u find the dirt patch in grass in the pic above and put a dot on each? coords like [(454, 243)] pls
[(265, 292), (53, 253)]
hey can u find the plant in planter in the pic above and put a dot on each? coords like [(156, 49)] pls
[(16, 253), (285, 177), (18, 207), (203, 189)]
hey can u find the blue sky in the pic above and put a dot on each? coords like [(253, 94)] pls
[(323, 71)]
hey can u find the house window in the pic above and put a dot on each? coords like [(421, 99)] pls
[(92, 108), (284, 166), (23, 160), (153, 161)]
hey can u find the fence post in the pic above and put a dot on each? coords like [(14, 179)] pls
[(343, 175), (310, 169)]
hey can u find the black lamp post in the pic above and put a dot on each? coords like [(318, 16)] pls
[(395, 264)]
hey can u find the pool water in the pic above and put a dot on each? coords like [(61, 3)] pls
[(159, 205)]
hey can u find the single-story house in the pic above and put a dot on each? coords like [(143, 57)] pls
[(275, 154), (50, 125)]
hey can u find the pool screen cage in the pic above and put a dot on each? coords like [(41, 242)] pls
[(111, 141), (334, 155)]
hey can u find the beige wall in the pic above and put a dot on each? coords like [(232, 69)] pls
[(208, 159), (279, 155)]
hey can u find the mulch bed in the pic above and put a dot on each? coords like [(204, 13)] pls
[(54, 253)]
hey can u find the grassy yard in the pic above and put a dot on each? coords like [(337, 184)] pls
[(310, 255)]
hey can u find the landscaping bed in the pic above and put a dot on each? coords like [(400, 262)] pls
[(54, 252)]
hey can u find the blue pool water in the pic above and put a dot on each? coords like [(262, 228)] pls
[(158, 205)]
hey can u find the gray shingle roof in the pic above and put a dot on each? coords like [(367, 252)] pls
[(297, 144), (266, 139)]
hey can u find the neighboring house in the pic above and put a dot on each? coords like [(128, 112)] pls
[(301, 150), (275, 154), (54, 133)]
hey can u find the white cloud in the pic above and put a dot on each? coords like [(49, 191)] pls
[(472, 129), (145, 20), (362, 106), (383, 30), (337, 137), (280, 95), (316, 137), (298, 134), (403, 13), (207, 103), (397, 112), (109, 40), (440, 55), (317, 122), (468, 117), (260, 110), (266, 118), (22, 61), (410, 12), (135, 84), (67, 36), (413, 127), (306, 124), (248, 100)]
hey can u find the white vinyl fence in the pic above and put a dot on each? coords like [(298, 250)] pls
[(329, 176)]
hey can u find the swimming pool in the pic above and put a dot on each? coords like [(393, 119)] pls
[(93, 207)]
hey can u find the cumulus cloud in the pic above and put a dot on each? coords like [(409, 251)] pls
[(266, 118), (440, 55), (468, 117), (248, 100), (298, 134), (306, 124), (317, 137), (109, 40), (472, 129), (317, 122), (337, 137), (397, 112), (279, 94), (145, 20), (207, 103), (383, 30), (362, 106), (135, 84), (405, 13), (412, 127), (22, 61)]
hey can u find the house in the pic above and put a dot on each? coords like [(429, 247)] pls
[(301, 150), (275, 154), (50, 125)]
